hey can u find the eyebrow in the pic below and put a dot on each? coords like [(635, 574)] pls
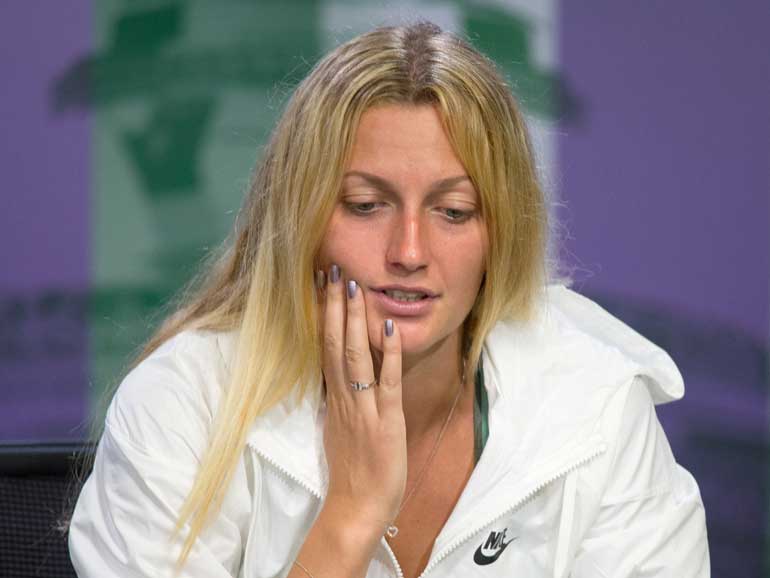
[(386, 186)]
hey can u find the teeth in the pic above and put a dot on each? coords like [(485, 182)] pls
[(404, 295)]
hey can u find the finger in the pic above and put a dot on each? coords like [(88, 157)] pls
[(319, 278), (334, 334), (320, 286), (358, 357), (389, 391)]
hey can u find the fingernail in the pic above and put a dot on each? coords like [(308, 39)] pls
[(388, 327), (334, 274), (320, 279), (351, 289)]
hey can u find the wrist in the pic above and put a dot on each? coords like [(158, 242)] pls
[(339, 544), (351, 527)]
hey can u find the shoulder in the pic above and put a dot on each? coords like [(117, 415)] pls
[(173, 393)]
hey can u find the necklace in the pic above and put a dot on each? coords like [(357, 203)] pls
[(392, 530)]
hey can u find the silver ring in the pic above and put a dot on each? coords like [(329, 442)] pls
[(360, 385)]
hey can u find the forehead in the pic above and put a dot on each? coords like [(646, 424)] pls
[(404, 139)]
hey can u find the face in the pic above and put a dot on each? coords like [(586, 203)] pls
[(408, 228)]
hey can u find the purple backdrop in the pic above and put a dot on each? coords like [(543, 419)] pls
[(664, 172), (666, 177), (44, 222)]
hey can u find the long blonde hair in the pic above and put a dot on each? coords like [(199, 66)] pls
[(261, 281)]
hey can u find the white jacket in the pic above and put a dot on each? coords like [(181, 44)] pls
[(577, 477)]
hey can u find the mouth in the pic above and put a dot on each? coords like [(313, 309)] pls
[(406, 294), (404, 302)]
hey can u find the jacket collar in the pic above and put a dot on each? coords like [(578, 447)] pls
[(548, 382), (555, 374), (290, 435)]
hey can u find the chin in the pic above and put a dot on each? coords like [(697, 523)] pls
[(416, 338), (412, 344)]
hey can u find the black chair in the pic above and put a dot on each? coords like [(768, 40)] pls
[(38, 486)]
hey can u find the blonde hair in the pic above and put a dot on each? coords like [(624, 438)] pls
[(261, 282)]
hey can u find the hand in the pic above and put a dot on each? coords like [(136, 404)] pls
[(365, 432)]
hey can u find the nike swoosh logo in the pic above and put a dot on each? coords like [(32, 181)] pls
[(482, 559)]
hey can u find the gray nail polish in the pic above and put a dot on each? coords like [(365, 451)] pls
[(320, 279), (334, 274), (388, 327), (351, 289)]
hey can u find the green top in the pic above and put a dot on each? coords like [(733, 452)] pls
[(480, 415)]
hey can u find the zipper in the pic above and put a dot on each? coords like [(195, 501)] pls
[(524, 498), (313, 491), (317, 494), (399, 571), (246, 560)]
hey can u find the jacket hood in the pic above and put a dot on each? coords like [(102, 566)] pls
[(572, 312), (556, 373)]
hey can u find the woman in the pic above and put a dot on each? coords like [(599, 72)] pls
[(373, 379)]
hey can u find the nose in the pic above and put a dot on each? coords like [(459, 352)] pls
[(408, 247)]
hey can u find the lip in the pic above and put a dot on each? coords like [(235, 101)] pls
[(395, 308), (406, 289)]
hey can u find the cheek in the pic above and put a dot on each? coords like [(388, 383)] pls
[(334, 247), (465, 264), (349, 244), (328, 248)]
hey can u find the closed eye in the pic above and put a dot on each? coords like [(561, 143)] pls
[(361, 208), (456, 215)]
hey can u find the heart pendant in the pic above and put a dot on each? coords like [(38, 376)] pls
[(391, 532)]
